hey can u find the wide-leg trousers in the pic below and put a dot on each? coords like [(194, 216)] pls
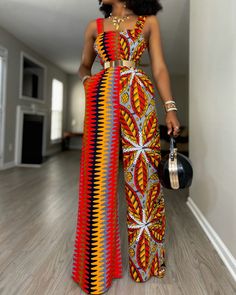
[(120, 109)]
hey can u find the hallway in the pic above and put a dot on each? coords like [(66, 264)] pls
[(37, 226)]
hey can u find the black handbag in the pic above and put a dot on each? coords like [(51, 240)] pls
[(175, 170)]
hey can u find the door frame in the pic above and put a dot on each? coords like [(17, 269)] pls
[(20, 111), (3, 95)]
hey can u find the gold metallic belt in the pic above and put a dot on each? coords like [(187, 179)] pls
[(119, 62)]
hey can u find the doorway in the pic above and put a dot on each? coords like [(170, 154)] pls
[(3, 77)]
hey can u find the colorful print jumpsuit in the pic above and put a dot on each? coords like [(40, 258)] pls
[(120, 107)]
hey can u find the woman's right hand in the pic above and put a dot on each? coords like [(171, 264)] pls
[(172, 123)]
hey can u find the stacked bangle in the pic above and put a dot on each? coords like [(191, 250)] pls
[(170, 105), (85, 77)]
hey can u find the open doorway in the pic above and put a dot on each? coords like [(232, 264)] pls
[(3, 75)]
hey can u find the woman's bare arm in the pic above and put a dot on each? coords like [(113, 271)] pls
[(88, 54), (159, 68), (160, 71)]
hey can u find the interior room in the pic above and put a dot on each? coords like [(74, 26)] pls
[(42, 117)]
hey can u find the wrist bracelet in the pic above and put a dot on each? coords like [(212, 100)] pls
[(170, 105), (169, 101), (85, 77), (171, 109)]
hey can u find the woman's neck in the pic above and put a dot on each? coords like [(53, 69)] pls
[(118, 9)]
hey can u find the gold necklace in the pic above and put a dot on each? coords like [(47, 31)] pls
[(116, 20)]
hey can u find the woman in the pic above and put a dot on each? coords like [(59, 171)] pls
[(120, 107)]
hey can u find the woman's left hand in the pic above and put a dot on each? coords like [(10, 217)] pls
[(172, 123)]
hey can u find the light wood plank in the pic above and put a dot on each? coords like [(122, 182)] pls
[(37, 230)]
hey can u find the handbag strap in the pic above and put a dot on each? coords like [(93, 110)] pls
[(172, 142), (172, 146)]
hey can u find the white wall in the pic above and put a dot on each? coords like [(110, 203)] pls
[(212, 118)]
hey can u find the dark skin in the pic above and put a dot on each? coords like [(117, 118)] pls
[(152, 36)]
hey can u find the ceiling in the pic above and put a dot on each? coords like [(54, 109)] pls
[(55, 29)]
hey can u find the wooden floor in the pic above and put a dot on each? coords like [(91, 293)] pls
[(37, 227)]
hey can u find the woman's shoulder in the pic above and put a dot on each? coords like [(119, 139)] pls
[(92, 23), (151, 23), (92, 26), (152, 20)]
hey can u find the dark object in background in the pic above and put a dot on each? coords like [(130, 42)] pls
[(32, 141), (67, 135), (175, 169)]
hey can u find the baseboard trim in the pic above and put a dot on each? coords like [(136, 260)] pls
[(218, 244), (7, 165)]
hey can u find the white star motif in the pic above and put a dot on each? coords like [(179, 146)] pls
[(134, 71), (142, 225), (140, 148)]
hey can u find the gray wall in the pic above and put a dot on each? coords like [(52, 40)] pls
[(212, 119), (14, 47), (76, 104)]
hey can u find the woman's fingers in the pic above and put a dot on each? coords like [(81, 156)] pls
[(176, 128), (173, 125), (169, 127), (176, 131)]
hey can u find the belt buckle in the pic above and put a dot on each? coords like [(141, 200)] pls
[(119, 62)]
